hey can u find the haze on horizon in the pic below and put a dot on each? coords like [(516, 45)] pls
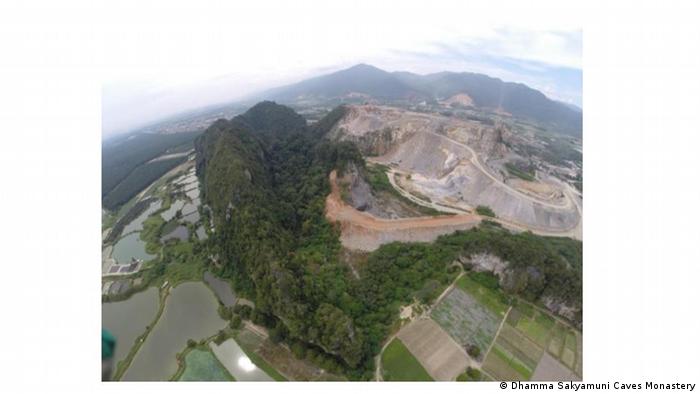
[(210, 59)]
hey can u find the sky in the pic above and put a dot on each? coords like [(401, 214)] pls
[(161, 58)]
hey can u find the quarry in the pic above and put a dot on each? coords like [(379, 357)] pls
[(453, 165)]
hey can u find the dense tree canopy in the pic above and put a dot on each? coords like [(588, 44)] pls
[(267, 190)]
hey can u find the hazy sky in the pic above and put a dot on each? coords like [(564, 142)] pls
[(161, 58)]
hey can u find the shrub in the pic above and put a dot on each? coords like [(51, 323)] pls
[(483, 210)]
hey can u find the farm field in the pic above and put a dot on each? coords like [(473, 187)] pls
[(467, 320), (202, 366), (494, 300), (534, 346), (434, 349), (398, 364)]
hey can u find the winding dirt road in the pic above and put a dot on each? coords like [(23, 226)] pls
[(517, 193), (362, 231)]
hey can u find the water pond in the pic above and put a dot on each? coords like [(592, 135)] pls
[(190, 313), (192, 218), (180, 232), (193, 194), (190, 208), (237, 363), (170, 212), (201, 233), (128, 319), (221, 288), (137, 224), (130, 246)]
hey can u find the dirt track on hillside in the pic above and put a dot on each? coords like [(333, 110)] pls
[(363, 231)]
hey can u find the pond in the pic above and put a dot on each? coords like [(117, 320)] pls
[(180, 232), (190, 207), (187, 180), (128, 319), (174, 207), (190, 313), (201, 233), (221, 288), (237, 363), (192, 218), (130, 246), (137, 224), (193, 194)]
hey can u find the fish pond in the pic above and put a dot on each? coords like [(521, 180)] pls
[(130, 246), (190, 313), (128, 319)]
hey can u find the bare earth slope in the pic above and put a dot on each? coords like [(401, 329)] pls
[(362, 231)]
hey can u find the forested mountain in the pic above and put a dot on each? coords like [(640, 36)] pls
[(127, 167), (362, 78), (266, 181), (486, 92), (514, 98)]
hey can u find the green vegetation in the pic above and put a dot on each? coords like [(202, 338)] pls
[(522, 174), (470, 375), (513, 362), (202, 366), (124, 161), (398, 364), (470, 323), (485, 211), (267, 190), (474, 351), (132, 213), (137, 180), (491, 298), (536, 328)]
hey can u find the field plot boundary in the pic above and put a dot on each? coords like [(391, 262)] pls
[(467, 320), (441, 356), (399, 364)]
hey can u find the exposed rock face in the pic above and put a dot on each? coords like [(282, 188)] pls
[(360, 196), (486, 262), (490, 141), (447, 160), (560, 308), (359, 193), (514, 281)]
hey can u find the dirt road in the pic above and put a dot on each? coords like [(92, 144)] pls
[(362, 231), (477, 163)]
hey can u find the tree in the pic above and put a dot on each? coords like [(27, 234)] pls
[(191, 343), (224, 312), (474, 351), (236, 321)]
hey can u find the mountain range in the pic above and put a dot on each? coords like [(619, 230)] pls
[(484, 92)]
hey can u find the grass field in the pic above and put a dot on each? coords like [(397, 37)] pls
[(537, 327), (490, 298), (467, 320), (519, 346), (503, 365), (399, 364), (523, 340), (202, 366), (513, 356)]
